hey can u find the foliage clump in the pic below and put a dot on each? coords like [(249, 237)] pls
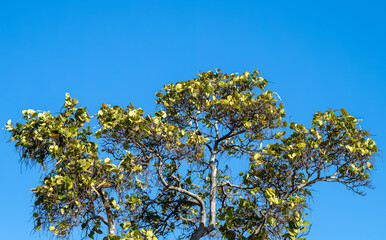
[(127, 175)]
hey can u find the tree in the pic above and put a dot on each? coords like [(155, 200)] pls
[(171, 172)]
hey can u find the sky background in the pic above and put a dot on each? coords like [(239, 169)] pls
[(317, 55)]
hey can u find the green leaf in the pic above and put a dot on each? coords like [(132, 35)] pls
[(247, 124), (98, 134), (369, 165), (344, 112), (230, 235), (304, 229), (126, 225)]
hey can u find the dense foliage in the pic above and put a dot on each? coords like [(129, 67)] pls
[(127, 175)]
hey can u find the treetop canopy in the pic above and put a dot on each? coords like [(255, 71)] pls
[(129, 175)]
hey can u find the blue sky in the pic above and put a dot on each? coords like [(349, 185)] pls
[(317, 54)]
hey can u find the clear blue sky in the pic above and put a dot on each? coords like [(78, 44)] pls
[(317, 54)]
